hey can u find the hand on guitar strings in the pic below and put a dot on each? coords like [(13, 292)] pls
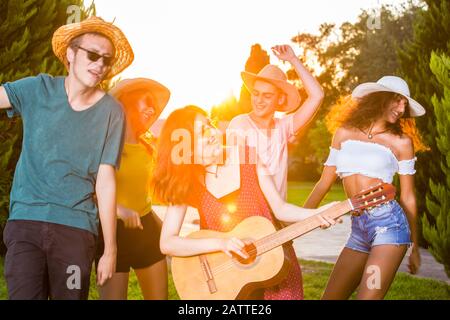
[(234, 245)]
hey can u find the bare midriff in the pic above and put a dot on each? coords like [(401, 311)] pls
[(356, 183)]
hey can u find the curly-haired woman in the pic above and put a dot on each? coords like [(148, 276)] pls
[(376, 138)]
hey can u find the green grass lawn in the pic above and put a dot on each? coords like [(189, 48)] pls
[(299, 191), (315, 274), (315, 277)]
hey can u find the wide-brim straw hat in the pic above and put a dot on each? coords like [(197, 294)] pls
[(278, 78), (390, 84), (123, 57), (160, 94)]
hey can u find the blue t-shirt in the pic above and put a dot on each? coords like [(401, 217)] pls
[(61, 153)]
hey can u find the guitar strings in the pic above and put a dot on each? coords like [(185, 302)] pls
[(262, 244)]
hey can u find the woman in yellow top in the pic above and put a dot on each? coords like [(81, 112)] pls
[(138, 227)]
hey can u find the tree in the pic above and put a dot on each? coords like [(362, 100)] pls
[(431, 33), (438, 199), (345, 56), (226, 110), (26, 29), (255, 63)]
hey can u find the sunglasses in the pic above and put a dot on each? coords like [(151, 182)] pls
[(94, 56)]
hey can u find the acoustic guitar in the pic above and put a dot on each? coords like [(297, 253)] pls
[(216, 276)]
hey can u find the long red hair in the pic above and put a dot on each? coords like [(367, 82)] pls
[(172, 182)]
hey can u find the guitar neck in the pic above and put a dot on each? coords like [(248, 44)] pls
[(302, 227)]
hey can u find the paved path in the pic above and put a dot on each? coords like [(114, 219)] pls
[(326, 245)]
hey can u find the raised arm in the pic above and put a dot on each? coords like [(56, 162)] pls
[(173, 244), (106, 195), (4, 100), (313, 88)]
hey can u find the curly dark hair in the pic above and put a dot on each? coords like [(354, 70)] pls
[(361, 113), (369, 109)]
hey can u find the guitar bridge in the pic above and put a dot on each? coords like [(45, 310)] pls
[(208, 274)]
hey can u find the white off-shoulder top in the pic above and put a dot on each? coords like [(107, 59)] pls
[(369, 159)]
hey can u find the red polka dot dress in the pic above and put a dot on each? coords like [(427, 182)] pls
[(225, 213)]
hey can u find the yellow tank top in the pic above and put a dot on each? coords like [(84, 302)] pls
[(134, 177)]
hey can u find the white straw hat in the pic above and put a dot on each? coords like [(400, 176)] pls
[(390, 84)]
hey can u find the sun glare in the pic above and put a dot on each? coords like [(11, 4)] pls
[(198, 48)]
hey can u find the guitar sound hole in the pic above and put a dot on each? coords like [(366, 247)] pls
[(250, 249)]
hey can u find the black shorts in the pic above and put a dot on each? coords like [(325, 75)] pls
[(136, 248), (47, 260)]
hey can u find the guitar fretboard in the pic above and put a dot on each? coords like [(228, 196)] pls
[(302, 227)]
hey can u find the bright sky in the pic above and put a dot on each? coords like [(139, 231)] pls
[(197, 48)]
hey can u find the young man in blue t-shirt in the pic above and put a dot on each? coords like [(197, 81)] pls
[(72, 141)]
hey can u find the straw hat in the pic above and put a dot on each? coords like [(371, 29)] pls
[(277, 77), (390, 84), (124, 55), (160, 94)]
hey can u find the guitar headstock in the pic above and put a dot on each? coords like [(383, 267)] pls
[(372, 197)]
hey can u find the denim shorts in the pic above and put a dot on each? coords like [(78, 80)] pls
[(385, 224)]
